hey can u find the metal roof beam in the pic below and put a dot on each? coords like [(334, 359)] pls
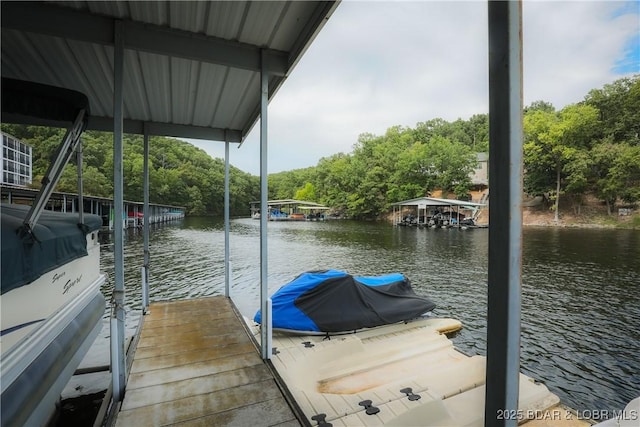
[(137, 127), (56, 21)]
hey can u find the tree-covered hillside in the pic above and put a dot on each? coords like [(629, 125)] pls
[(592, 147), (179, 173), (588, 148)]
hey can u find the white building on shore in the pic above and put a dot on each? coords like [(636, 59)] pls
[(15, 162)]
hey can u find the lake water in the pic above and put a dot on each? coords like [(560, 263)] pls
[(580, 293)]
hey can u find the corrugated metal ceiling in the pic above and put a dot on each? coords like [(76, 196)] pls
[(191, 68)]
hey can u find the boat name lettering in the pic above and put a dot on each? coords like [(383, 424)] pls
[(58, 276), (71, 283)]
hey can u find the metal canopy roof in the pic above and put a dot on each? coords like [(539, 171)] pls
[(434, 201), (288, 202), (191, 68)]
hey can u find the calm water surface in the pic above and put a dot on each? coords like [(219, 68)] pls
[(580, 296)]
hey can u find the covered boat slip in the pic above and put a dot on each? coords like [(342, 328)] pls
[(436, 212), (290, 210), (102, 206), (191, 69)]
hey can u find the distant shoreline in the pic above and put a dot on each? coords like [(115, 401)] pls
[(536, 218)]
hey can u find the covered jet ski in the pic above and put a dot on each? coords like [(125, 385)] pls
[(334, 301)]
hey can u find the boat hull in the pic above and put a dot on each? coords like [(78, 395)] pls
[(48, 326), (25, 308), (36, 370)]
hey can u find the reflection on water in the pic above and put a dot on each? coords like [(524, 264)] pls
[(580, 296)]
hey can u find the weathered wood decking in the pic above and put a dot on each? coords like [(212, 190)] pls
[(196, 365)]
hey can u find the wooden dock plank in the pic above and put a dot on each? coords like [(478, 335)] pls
[(201, 324), (181, 347), (185, 358), (194, 386), (270, 413), (196, 365), (194, 370), (202, 405)]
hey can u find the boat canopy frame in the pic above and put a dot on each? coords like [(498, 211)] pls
[(30, 99)]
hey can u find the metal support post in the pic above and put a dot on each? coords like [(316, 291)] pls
[(264, 212), (145, 288), (80, 182), (505, 213), (227, 273), (269, 328), (146, 216), (118, 365)]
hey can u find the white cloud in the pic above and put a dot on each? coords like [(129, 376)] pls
[(381, 64), (571, 48)]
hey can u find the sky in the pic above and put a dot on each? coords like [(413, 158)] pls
[(378, 64)]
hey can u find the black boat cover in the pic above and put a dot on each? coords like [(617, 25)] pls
[(56, 239), (50, 103), (334, 301)]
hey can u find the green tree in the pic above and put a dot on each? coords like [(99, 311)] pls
[(577, 171), (619, 107), (308, 193), (540, 106), (617, 172), (587, 147), (195, 205), (607, 187), (437, 164), (335, 181), (551, 141)]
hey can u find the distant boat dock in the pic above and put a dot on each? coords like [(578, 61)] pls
[(102, 206), (291, 210), (434, 212)]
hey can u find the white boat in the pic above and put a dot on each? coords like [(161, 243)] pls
[(51, 305), (27, 305)]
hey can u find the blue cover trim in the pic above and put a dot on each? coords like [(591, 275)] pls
[(285, 314), (380, 280)]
